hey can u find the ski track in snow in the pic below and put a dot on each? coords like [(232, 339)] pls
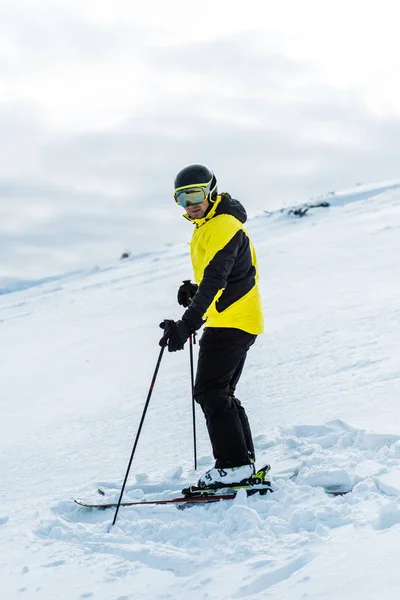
[(321, 390)]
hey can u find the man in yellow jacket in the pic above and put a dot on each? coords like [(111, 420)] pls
[(226, 299)]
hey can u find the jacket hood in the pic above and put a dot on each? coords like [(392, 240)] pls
[(224, 205)]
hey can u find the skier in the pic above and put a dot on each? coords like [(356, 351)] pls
[(226, 299)]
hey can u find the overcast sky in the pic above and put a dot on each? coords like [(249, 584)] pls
[(101, 103)]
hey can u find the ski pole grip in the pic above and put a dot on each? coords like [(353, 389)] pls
[(190, 301)]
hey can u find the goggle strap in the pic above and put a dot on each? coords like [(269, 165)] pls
[(210, 193), (192, 185)]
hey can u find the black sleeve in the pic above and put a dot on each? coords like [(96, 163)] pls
[(214, 279)]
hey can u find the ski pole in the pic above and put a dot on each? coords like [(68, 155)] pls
[(192, 341), (153, 381)]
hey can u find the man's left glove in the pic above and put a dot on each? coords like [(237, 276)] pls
[(186, 292), (175, 334)]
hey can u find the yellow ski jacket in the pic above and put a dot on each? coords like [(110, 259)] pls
[(225, 268)]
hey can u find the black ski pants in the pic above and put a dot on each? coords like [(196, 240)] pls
[(221, 359)]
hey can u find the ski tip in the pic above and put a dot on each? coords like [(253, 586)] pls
[(80, 502), (88, 505), (336, 492)]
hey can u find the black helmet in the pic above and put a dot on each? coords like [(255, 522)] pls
[(197, 175)]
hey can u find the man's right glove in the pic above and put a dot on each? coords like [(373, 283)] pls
[(175, 336), (187, 292)]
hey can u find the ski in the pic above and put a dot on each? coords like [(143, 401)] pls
[(198, 498), (258, 484)]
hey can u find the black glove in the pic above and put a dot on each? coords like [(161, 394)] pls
[(175, 336), (186, 292)]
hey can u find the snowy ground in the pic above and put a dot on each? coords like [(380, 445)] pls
[(321, 389)]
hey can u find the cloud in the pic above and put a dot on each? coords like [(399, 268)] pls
[(268, 125), (288, 136)]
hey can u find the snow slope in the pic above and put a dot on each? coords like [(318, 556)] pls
[(321, 389)]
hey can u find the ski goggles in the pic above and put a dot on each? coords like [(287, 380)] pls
[(192, 194)]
